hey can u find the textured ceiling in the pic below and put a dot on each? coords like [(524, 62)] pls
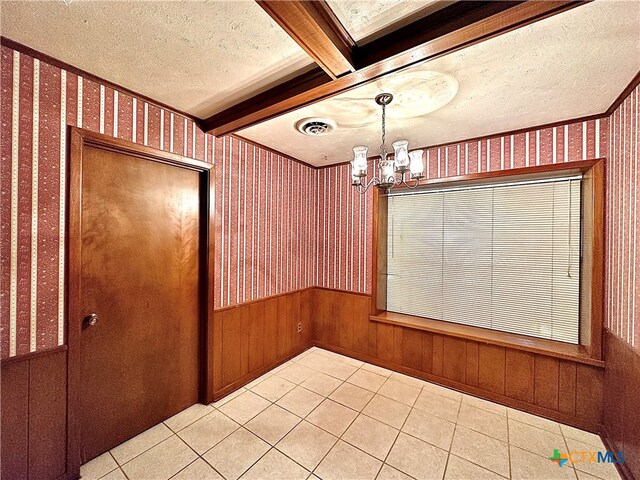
[(367, 19), (197, 56), (569, 65)]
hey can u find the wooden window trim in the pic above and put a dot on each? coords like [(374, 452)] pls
[(591, 319), (552, 348)]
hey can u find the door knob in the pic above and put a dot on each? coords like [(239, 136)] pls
[(90, 320)]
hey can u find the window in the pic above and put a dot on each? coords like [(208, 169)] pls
[(504, 257)]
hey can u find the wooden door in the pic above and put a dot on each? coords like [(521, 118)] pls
[(140, 264)]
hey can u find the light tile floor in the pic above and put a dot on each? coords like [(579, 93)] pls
[(323, 415)]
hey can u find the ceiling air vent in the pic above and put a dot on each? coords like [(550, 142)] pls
[(315, 126)]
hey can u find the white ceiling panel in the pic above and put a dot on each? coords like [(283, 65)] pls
[(197, 56), (567, 66)]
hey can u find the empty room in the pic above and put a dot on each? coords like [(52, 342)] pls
[(319, 239)]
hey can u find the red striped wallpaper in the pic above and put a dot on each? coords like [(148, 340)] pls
[(264, 238), (622, 301), (264, 223), (280, 225), (565, 143)]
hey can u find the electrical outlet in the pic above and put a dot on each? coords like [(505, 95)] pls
[(299, 327)]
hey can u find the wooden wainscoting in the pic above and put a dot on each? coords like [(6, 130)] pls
[(621, 412), (564, 390), (34, 415), (252, 338)]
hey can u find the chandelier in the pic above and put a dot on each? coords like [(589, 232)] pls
[(391, 171)]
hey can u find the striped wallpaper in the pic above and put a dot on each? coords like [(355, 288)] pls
[(280, 225), (566, 143), (260, 251), (265, 226), (622, 295)]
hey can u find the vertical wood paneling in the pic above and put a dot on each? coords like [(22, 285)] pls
[(589, 391), (546, 382), (283, 336), (33, 422), (256, 336), (398, 333), (520, 370), (472, 363), (231, 345), (47, 415), (412, 348), (217, 350), (361, 323), (384, 342), (454, 365), (502, 374), (491, 368), (427, 352), (14, 427), (245, 323), (270, 331), (438, 355), (567, 387), (345, 321), (252, 338)]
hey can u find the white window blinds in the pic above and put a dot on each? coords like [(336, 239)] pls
[(501, 257)]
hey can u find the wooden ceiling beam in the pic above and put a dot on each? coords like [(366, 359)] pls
[(314, 26), (457, 26)]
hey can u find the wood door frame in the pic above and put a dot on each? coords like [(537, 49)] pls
[(79, 138)]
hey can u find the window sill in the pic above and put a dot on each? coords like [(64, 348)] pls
[(565, 351)]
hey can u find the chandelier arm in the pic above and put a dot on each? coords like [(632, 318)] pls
[(415, 185), (363, 189)]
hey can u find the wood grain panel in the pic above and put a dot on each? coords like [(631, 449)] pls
[(14, 423), (294, 317), (397, 345), (231, 345), (438, 355), (256, 336), (533, 382), (361, 323), (217, 350), (621, 394), (472, 363), (306, 309), (245, 331), (491, 368), (283, 338), (546, 382), (454, 366), (567, 387), (270, 331), (427, 352), (589, 390), (48, 416), (412, 349), (384, 342), (344, 319), (520, 369), (373, 338)]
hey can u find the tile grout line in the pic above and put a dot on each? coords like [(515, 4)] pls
[(375, 392)]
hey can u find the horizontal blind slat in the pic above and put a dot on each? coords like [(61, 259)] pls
[(498, 258)]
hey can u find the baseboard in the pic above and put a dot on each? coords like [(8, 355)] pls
[(469, 390), (623, 468), (241, 382)]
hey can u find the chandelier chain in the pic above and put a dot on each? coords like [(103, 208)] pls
[(384, 128)]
